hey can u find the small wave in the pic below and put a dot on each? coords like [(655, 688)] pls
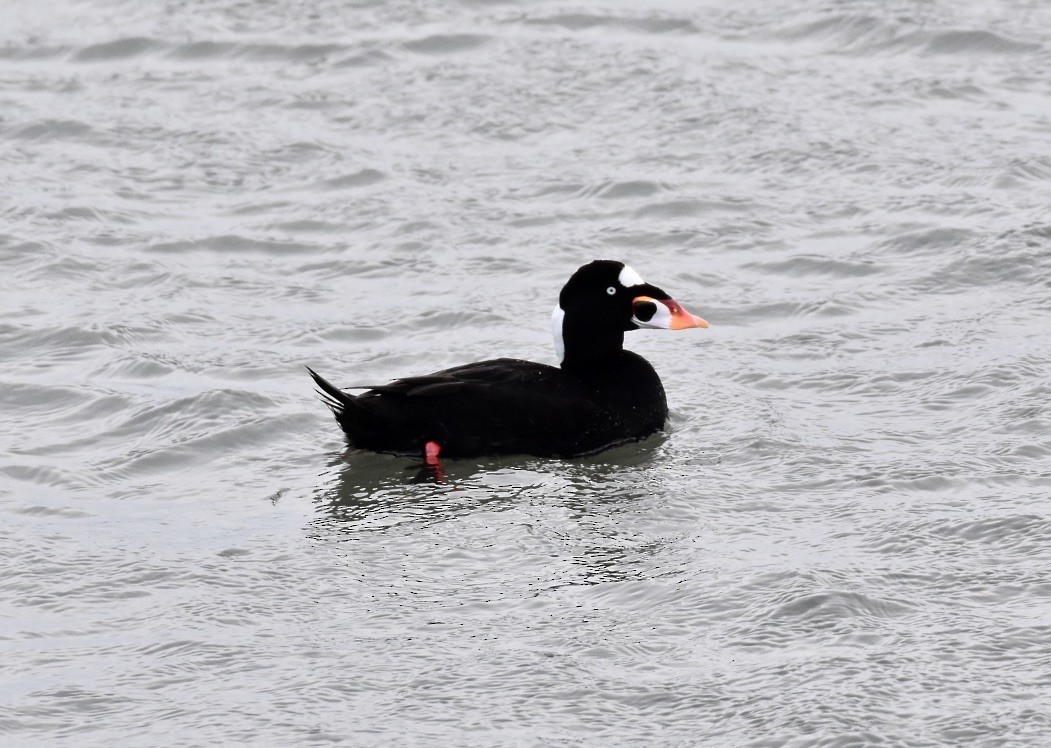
[(13, 52), (362, 178), (71, 342), (809, 265), (119, 426), (55, 129), (839, 27), (300, 152), (965, 42), (952, 91), (638, 240), (46, 476), (61, 512), (446, 321), (623, 189), (199, 51), (356, 333), (1035, 168), (932, 479), (134, 366), (260, 208), (1021, 531), (841, 33), (930, 240), (646, 25), (235, 243), (309, 226), (558, 189), (204, 50), (92, 214), (192, 431), (40, 399), (620, 190), (688, 208), (1018, 257), (444, 44), (1019, 644), (834, 605), (779, 310), (234, 552), (262, 51), (363, 59), (118, 49), (863, 34)]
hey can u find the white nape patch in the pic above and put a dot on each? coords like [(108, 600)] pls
[(629, 277), (557, 315)]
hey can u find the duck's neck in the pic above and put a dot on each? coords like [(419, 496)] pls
[(583, 345)]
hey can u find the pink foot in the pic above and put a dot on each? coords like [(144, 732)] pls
[(431, 450)]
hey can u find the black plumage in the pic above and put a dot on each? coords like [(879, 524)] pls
[(601, 396)]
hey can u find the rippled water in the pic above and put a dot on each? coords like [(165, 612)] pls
[(843, 539)]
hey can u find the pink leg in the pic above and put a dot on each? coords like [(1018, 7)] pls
[(431, 450)]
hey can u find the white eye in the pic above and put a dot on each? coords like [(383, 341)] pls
[(611, 291)]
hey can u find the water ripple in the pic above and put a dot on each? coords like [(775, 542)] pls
[(839, 540)]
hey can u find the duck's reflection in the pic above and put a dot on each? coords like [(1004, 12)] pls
[(366, 483), (590, 517)]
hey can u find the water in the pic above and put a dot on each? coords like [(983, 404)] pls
[(841, 540)]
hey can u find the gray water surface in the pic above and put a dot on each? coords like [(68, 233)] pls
[(843, 537)]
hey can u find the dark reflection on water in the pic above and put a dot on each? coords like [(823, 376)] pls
[(365, 485), (583, 514)]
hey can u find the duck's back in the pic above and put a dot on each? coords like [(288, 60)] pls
[(506, 406)]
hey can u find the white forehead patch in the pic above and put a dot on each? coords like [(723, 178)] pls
[(629, 277), (557, 315)]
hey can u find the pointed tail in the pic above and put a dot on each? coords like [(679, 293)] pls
[(332, 396)]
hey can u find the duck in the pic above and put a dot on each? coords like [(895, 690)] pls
[(599, 396)]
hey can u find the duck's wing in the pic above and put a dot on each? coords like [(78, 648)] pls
[(500, 406), (506, 373)]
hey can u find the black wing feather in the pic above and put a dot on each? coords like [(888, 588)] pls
[(331, 395), (501, 406)]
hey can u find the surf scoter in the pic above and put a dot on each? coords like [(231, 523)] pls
[(601, 396)]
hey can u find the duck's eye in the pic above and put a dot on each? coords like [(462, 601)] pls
[(612, 291)]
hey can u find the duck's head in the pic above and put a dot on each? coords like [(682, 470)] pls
[(603, 300)]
